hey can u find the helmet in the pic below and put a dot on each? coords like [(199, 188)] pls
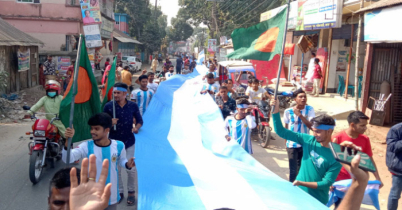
[(52, 85), (241, 91)]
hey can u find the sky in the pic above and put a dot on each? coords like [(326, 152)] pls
[(169, 7)]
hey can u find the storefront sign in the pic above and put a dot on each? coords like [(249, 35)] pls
[(292, 14), (92, 36), (222, 54), (211, 45), (90, 12), (24, 59), (379, 25), (63, 62), (319, 14), (107, 28)]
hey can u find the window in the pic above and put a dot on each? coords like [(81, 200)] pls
[(117, 22), (29, 1)]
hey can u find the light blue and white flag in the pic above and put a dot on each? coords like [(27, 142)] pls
[(184, 161), (370, 195), (201, 58)]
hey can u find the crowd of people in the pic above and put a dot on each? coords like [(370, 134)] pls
[(312, 166)]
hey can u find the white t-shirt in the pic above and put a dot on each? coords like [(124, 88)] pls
[(153, 86), (296, 124), (142, 98), (255, 96), (168, 75)]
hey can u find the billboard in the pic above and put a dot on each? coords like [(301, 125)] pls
[(92, 36), (379, 25), (90, 12), (211, 45), (319, 14)]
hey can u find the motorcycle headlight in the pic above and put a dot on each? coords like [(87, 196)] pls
[(40, 133)]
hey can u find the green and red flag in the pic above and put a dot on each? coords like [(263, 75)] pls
[(87, 100), (260, 42), (108, 87)]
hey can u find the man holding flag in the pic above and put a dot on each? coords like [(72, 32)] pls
[(123, 113)]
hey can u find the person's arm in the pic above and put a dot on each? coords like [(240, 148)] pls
[(376, 174), (248, 92), (138, 119), (239, 77), (312, 185), (76, 153), (37, 106), (227, 128), (281, 131), (302, 118), (354, 196), (268, 95), (394, 141), (251, 122)]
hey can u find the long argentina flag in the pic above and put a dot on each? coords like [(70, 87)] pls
[(184, 161)]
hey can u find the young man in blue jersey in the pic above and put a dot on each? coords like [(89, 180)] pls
[(103, 148), (143, 95), (297, 119), (210, 87), (240, 125), (128, 120)]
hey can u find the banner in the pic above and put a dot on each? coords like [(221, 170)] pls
[(92, 36), (211, 45), (24, 59), (292, 20), (379, 25), (319, 14), (90, 12), (107, 27), (63, 62)]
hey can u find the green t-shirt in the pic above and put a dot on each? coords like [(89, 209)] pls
[(318, 163)]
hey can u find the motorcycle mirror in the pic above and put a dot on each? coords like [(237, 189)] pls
[(26, 107)]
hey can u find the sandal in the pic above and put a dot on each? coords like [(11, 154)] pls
[(121, 197), (130, 200)]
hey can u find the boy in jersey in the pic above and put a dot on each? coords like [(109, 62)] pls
[(297, 119), (242, 124), (170, 73), (103, 148), (151, 84), (143, 95), (256, 93), (212, 71), (211, 87)]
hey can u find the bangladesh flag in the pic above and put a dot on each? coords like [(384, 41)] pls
[(260, 42), (108, 87), (87, 100)]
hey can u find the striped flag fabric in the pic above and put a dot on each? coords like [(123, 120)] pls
[(185, 162), (201, 58), (370, 195)]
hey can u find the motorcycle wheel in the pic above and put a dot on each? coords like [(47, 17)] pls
[(264, 134), (35, 166)]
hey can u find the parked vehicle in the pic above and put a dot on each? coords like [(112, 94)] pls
[(45, 147), (132, 62), (261, 112), (285, 97)]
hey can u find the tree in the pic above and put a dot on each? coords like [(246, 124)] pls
[(180, 30)]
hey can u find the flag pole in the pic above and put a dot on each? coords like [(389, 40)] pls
[(283, 50), (114, 109), (74, 89)]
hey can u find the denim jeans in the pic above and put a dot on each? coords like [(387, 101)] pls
[(395, 192), (131, 174), (295, 156)]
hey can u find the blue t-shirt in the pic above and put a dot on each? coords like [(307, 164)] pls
[(124, 125)]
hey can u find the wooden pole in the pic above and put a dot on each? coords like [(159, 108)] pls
[(329, 60), (350, 60), (359, 34)]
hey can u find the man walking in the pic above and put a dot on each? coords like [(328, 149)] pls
[(225, 103), (127, 77), (179, 64), (394, 163), (49, 69), (154, 64), (125, 113), (317, 75), (355, 133), (319, 168), (297, 119), (143, 95)]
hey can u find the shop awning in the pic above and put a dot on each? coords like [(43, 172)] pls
[(127, 40)]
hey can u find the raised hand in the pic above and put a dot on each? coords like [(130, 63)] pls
[(89, 194)]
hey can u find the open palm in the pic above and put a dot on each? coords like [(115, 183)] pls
[(89, 194)]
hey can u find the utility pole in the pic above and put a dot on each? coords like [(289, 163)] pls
[(359, 34)]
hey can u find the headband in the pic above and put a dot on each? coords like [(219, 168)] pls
[(120, 89), (323, 127), (242, 106)]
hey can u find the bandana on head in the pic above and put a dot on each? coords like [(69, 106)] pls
[(120, 89), (322, 126), (242, 106)]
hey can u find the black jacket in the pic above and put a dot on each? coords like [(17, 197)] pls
[(394, 150)]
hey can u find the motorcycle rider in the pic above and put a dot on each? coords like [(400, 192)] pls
[(51, 102)]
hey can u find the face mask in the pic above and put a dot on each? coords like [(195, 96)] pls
[(51, 94)]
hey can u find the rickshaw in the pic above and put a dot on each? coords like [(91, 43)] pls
[(261, 112)]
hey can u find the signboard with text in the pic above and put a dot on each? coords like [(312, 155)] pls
[(107, 28), (92, 36), (211, 45), (379, 25), (319, 14)]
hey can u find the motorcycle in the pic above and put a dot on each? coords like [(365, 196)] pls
[(285, 97), (46, 145), (261, 112)]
